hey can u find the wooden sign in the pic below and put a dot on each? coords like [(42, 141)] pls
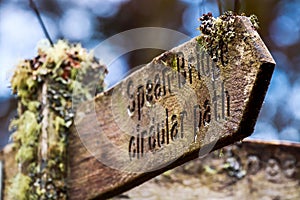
[(180, 106)]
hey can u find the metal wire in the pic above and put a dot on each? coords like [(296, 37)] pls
[(33, 6)]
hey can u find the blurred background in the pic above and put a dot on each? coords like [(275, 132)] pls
[(92, 21)]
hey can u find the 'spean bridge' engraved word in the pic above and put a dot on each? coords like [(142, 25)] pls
[(162, 107)]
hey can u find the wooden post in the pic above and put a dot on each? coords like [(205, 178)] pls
[(180, 106), (1, 179)]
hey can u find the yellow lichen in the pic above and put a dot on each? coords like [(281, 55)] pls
[(20, 187), (217, 34)]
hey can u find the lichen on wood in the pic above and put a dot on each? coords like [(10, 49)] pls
[(44, 87), (218, 33)]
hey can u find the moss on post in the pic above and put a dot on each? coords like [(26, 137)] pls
[(44, 87)]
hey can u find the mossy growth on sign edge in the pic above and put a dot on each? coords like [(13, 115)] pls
[(217, 34), (44, 86)]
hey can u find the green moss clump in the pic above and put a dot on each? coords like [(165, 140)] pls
[(217, 33), (20, 187), (44, 86), (254, 21)]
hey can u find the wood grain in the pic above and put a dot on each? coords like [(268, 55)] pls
[(213, 105), (245, 78)]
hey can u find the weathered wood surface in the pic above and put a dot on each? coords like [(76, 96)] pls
[(7, 156), (214, 106), (250, 170), (1, 178), (245, 79)]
